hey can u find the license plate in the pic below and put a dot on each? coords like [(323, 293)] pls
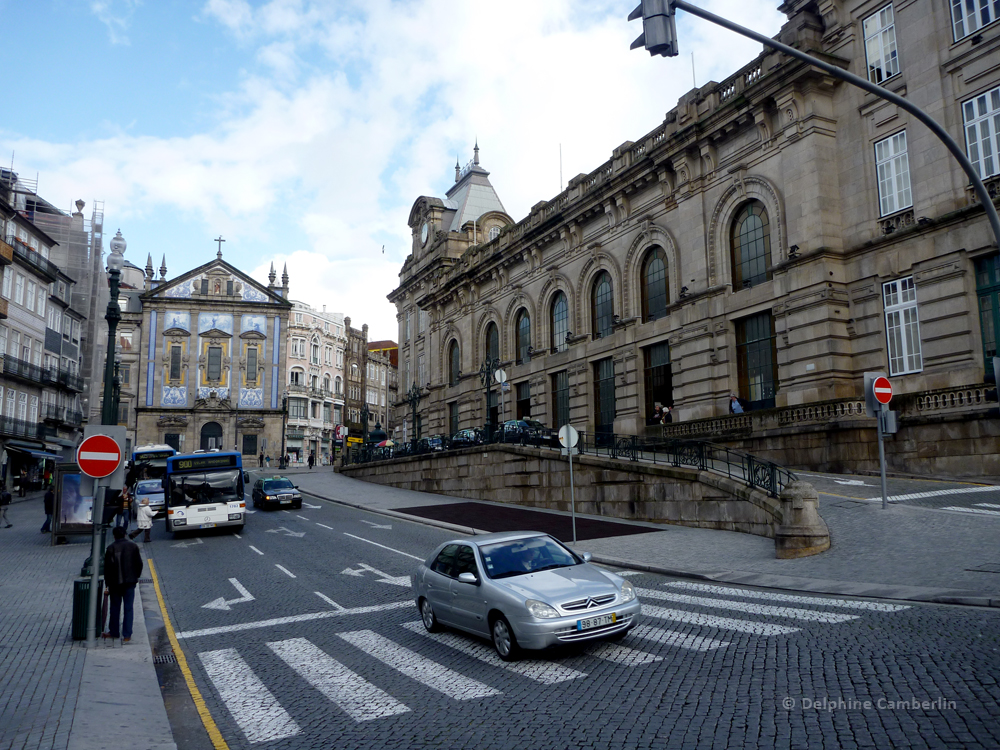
[(596, 622), (208, 526), (286, 502)]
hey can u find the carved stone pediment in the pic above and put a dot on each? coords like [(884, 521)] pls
[(250, 423), (253, 335), (215, 333), (212, 403), (171, 420), (176, 332)]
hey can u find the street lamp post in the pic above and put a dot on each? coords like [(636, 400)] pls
[(284, 423), (413, 396), (365, 415), (486, 375), (109, 416)]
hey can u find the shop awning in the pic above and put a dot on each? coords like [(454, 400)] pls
[(40, 454)]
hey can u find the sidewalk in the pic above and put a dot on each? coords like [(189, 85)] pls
[(54, 692), (902, 552)]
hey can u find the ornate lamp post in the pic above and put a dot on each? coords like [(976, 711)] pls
[(365, 414), (486, 375), (284, 423), (109, 412), (413, 396)]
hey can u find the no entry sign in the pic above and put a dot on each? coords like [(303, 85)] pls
[(883, 390), (98, 456)]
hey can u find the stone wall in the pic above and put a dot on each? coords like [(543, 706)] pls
[(616, 489)]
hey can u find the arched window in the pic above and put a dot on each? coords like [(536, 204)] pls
[(296, 377), (750, 244), (338, 386), (655, 296), (560, 323), (454, 363), (602, 309), (523, 337), (492, 342), (326, 383), (494, 233)]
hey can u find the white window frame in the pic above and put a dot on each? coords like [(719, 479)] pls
[(22, 406), (981, 117), (7, 283), (19, 290), (892, 170), (966, 16), (29, 295), (881, 54), (902, 326)]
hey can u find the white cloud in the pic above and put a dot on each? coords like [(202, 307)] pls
[(357, 107), (116, 15)]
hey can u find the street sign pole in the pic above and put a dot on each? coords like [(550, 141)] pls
[(881, 454), (96, 517), (568, 438)]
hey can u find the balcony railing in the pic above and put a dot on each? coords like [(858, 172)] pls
[(62, 414), (18, 368), (65, 378), (18, 428), (34, 258)]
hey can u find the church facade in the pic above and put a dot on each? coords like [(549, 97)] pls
[(778, 235), (211, 360)]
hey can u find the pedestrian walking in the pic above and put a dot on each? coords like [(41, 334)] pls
[(124, 515), (260, 460), (23, 487), (122, 568), (267, 459), (144, 519), (312, 460), (668, 415), (50, 501), (5, 501)]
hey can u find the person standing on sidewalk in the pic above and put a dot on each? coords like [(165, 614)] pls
[(312, 460), (144, 519), (122, 568), (5, 501), (260, 460), (50, 501)]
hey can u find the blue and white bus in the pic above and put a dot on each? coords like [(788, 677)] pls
[(204, 491), (150, 461)]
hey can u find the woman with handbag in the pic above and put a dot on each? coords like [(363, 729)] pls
[(144, 518)]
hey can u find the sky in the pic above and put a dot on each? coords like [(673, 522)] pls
[(302, 131)]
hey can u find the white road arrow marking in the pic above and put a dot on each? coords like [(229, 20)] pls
[(853, 482), (192, 543), (223, 603), (288, 532), (307, 505), (377, 526), (383, 577)]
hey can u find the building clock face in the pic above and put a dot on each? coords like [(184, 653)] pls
[(424, 232)]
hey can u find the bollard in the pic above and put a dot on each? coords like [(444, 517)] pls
[(802, 532)]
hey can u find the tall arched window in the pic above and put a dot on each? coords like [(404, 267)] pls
[(523, 336), (602, 309), (750, 244), (655, 296), (492, 342), (560, 323), (454, 364)]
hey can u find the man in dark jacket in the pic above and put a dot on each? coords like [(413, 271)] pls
[(50, 500), (5, 501), (122, 568)]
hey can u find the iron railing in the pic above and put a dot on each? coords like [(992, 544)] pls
[(19, 368), (698, 454), (18, 427)]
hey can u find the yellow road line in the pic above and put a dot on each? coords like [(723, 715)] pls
[(199, 702)]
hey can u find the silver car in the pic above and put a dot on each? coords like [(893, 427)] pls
[(152, 490), (523, 590)]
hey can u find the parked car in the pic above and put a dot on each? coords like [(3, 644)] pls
[(152, 490), (523, 590), (431, 443), (465, 438), (276, 492), (528, 432)]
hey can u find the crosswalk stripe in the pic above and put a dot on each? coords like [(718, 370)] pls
[(547, 673), (617, 654), (357, 697), (987, 505), (748, 607), (790, 598), (417, 667), (980, 511), (251, 704), (673, 638), (713, 621)]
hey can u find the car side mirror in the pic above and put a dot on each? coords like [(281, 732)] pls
[(468, 578), (586, 556)]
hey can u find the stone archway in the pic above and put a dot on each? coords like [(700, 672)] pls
[(211, 436)]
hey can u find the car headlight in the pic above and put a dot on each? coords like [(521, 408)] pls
[(541, 610), (628, 591)]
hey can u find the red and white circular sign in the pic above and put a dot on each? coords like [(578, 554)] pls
[(98, 456), (882, 389)]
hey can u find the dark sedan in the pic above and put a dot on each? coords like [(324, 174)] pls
[(528, 432), (276, 492), (466, 438)]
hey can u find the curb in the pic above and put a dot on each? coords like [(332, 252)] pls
[(730, 577)]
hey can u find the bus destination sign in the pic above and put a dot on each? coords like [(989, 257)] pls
[(204, 462)]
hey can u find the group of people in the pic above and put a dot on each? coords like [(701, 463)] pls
[(662, 415)]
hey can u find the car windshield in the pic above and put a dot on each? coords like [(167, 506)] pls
[(204, 489), (273, 485), (149, 486), (521, 556), (534, 424)]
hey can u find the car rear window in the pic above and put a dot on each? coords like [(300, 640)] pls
[(149, 486), (278, 484)]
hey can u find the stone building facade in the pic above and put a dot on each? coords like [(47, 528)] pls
[(777, 236), (211, 360), (383, 384), (316, 345), (356, 381)]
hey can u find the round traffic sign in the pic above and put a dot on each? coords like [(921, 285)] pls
[(882, 389), (98, 456), (501, 376), (568, 436)]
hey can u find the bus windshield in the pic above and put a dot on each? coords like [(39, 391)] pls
[(218, 486), (150, 462)]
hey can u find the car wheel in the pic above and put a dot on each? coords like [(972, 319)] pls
[(428, 617), (503, 639)]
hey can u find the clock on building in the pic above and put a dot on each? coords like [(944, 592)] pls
[(424, 232)]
